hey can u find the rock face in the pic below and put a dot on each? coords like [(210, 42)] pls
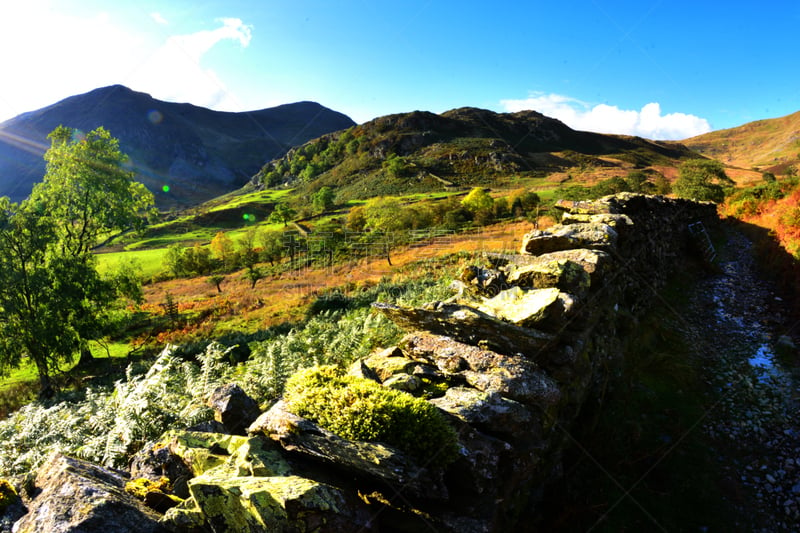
[(510, 360), (233, 408), (73, 496)]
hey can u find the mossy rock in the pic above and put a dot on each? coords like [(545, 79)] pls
[(361, 409), (389, 362), (521, 307), (237, 455), (257, 504)]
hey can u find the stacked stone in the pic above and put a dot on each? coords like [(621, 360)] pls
[(511, 360)]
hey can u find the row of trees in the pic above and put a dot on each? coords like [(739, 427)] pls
[(52, 298), (381, 223)]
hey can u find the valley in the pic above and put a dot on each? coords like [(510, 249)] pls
[(248, 280)]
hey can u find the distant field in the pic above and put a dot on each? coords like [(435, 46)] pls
[(148, 262)]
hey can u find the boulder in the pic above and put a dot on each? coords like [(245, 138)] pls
[(563, 274), (371, 460), (488, 412), (479, 281), (616, 221), (521, 307), (573, 271), (595, 235), (78, 497), (584, 207), (404, 382), (238, 455), (513, 377), (267, 504), (385, 364), (155, 460), (471, 326), (233, 408), (12, 507)]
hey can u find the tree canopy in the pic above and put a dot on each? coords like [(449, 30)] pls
[(52, 299), (88, 190), (702, 179)]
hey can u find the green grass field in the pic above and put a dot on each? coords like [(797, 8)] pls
[(147, 262)]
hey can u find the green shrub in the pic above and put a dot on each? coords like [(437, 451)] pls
[(361, 409), (8, 494)]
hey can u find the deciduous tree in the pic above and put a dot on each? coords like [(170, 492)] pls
[(52, 299), (702, 179)]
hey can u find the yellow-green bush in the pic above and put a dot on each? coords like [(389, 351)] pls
[(139, 487), (361, 409), (7, 494)]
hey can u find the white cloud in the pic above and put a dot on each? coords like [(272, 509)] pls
[(648, 122), (156, 16), (175, 71), (49, 55)]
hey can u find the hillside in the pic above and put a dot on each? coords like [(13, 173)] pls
[(422, 152), (770, 144), (197, 152)]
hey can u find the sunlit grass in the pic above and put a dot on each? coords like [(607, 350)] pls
[(148, 262)]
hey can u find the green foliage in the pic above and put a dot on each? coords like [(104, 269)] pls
[(282, 214), (49, 302), (216, 280), (636, 180), (254, 274), (749, 201), (396, 166), (224, 250), (523, 203), (361, 409), (52, 298), (106, 425), (662, 185), (478, 200), (322, 200), (173, 260), (87, 190), (8, 494), (702, 179), (272, 247)]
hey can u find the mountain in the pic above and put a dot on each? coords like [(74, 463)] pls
[(422, 151), (197, 152), (770, 144)]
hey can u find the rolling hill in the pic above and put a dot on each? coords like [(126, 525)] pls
[(422, 152), (770, 144), (197, 152)]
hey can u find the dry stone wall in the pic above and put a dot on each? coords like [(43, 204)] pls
[(526, 342)]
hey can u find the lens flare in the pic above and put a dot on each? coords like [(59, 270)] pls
[(155, 116)]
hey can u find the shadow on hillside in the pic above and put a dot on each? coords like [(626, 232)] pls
[(778, 267)]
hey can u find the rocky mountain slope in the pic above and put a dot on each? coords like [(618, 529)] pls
[(197, 152), (422, 151), (770, 144)]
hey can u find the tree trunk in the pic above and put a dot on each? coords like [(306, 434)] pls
[(86, 357), (46, 388)]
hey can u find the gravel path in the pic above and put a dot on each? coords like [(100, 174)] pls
[(737, 325)]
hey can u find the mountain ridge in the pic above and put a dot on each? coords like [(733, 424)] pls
[(197, 152), (421, 151), (769, 144)]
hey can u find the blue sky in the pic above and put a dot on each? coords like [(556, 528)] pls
[(660, 69)]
